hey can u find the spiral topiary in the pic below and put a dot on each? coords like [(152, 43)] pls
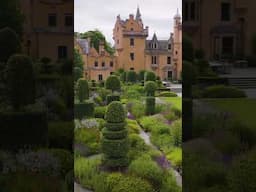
[(113, 83), (115, 144)]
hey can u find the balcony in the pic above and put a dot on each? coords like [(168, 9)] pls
[(99, 68), (136, 33), (154, 66)]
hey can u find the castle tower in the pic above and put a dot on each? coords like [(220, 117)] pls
[(177, 45), (130, 36)]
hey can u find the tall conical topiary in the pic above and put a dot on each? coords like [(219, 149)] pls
[(150, 88), (113, 83), (115, 144), (83, 90)]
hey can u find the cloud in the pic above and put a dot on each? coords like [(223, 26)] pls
[(157, 14)]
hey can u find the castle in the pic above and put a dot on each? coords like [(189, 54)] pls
[(134, 52)]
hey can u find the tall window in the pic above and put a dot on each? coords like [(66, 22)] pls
[(68, 20), (62, 52), (103, 64), (111, 64), (153, 60), (52, 20), (168, 60), (131, 42), (100, 77), (190, 10), (96, 64), (225, 11), (227, 46), (169, 46), (132, 56)]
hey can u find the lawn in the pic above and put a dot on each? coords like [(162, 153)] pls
[(243, 109), (176, 101)]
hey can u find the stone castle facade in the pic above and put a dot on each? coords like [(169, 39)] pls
[(133, 51)]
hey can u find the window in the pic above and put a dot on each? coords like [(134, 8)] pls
[(132, 56), (103, 64), (169, 46), (168, 60), (153, 60), (62, 52), (52, 20), (131, 68), (68, 20), (100, 77), (131, 42), (117, 41), (225, 12), (176, 52), (111, 64), (131, 29), (155, 46), (227, 46), (111, 73), (96, 64)]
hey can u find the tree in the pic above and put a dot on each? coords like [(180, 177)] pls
[(113, 83), (96, 37), (150, 76), (20, 81), (11, 16), (78, 73), (150, 88), (115, 144), (131, 76)]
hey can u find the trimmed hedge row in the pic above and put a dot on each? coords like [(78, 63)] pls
[(114, 134), (85, 109)]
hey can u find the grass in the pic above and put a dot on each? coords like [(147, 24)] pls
[(243, 109), (176, 101)]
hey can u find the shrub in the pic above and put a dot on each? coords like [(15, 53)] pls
[(115, 144), (83, 90), (113, 83), (167, 94), (141, 75), (150, 106), (111, 98), (9, 43), (103, 93), (20, 81), (150, 76), (133, 126), (148, 169), (187, 48), (131, 76), (115, 113), (150, 88), (169, 184), (99, 112), (69, 180), (132, 184), (136, 108), (98, 100), (175, 157), (220, 91), (85, 109), (176, 133)]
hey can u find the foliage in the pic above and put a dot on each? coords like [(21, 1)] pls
[(221, 91), (83, 90), (103, 93), (176, 133), (115, 113), (141, 75), (9, 43), (167, 94), (131, 76), (175, 157), (150, 106), (83, 110), (150, 76), (169, 184), (136, 108), (113, 83), (78, 73), (96, 37), (20, 81), (99, 112), (111, 98), (146, 168), (150, 88), (187, 49), (133, 126)]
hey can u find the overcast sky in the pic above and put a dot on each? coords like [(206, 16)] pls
[(101, 14)]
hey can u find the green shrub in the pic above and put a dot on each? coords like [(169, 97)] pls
[(85, 109), (103, 93), (9, 43), (113, 83), (167, 94), (176, 133), (175, 157), (99, 112), (150, 88), (69, 180), (133, 126), (111, 98), (169, 184), (131, 76), (115, 113), (83, 90), (177, 112), (137, 108), (115, 143), (150, 106), (148, 169), (150, 76), (221, 91), (60, 134), (132, 184), (98, 100), (20, 81)]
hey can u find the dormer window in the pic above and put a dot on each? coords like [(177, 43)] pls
[(155, 46), (169, 46)]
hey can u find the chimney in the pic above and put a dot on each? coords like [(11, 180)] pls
[(131, 16)]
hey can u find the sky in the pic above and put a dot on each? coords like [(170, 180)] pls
[(101, 14)]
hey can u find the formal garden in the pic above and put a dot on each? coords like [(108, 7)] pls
[(36, 118), (127, 134)]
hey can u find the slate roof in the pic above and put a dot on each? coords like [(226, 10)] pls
[(84, 44)]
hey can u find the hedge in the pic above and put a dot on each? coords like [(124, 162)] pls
[(111, 98), (18, 129), (99, 112), (115, 147), (114, 134), (85, 109), (150, 105), (115, 113), (150, 88), (115, 126), (113, 83), (167, 94), (83, 90), (150, 76), (221, 91)]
